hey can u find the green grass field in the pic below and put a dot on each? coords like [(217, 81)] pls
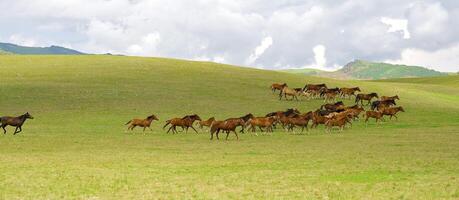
[(77, 147)]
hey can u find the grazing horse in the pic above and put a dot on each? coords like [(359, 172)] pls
[(349, 92), (286, 91), (278, 86), (367, 97), (262, 122), (385, 98), (373, 114), (184, 122), (206, 122), (392, 111), (300, 120), (382, 104), (141, 122), (227, 125), (14, 121), (333, 107)]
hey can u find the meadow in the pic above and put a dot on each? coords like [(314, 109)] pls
[(77, 146)]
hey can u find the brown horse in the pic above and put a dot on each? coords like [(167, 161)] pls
[(338, 120), (354, 111), (206, 122), (227, 126), (367, 97), (286, 91), (382, 104), (349, 92), (262, 122), (300, 120), (309, 87), (385, 98), (141, 122), (333, 107), (373, 114), (14, 121), (278, 86), (392, 111), (184, 122), (318, 118)]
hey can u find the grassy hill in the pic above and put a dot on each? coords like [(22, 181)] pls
[(52, 50), (365, 70), (77, 146)]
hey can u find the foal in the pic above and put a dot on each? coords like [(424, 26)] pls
[(14, 121)]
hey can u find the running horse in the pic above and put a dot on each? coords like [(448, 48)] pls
[(14, 121)]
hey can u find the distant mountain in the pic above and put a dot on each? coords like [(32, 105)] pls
[(4, 52), (52, 50), (305, 71), (366, 70)]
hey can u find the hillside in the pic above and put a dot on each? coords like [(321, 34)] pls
[(52, 50), (77, 145), (305, 71), (365, 70), (4, 52)]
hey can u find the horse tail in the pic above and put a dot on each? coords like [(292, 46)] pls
[(125, 124), (167, 123)]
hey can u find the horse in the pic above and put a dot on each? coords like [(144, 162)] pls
[(382, 104), (288, 92), (318, 117), (354, 111), (245, 118), (300, 120), (227, 125), (392, 111), (14, 121), (282, 114), (309, 87), (385, 98), (368, 97), (265, 122), (141, 122), (333, 107), (349, 92), (206, 122), (330, 96), (184, 122), (373, 114), (278, 86), (339, 120)]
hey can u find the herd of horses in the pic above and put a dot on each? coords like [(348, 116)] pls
[(331, 114)]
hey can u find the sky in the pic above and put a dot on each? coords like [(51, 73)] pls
[(280, 34)]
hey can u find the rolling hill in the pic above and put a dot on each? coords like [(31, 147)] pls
[(366, 70), (23, 50), (77, 146)]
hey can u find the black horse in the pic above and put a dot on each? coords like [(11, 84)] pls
[(14, 121)]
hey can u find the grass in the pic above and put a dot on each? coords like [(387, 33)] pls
[(77, 146)]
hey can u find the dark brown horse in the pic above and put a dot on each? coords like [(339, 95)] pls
[(382, 104), (141, 122), (333, 107), (245, 118), (392, 112), (14, 121), (318, 117), (367, 97), (184, 122), (309, 87)]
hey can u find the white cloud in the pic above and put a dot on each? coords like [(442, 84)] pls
[(396, 25), (21, 40), (319, 55), (259, 50), (442, 60)]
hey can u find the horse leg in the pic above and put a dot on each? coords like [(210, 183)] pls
[(144, 128), (194, 129), (237, 137), (227, 134), (4, 130), (16, 130)]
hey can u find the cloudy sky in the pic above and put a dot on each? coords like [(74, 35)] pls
[(324, 34)]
